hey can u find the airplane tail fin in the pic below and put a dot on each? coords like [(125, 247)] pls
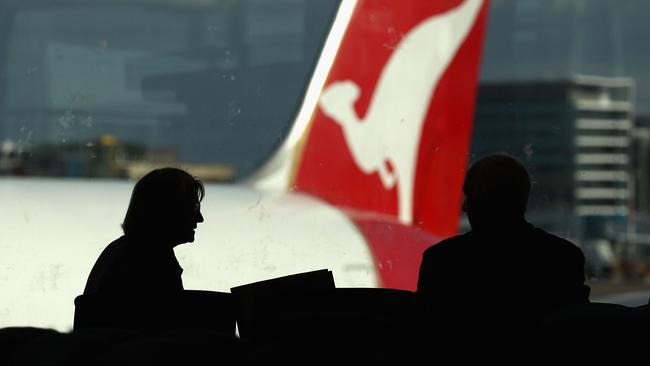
[(391, 133)]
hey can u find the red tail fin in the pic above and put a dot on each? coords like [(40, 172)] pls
[(391, 133)]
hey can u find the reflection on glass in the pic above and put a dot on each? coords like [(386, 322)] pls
[(93, 89)]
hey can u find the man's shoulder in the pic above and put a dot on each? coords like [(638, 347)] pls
[(552, 241), (544, 235), (452, 244)]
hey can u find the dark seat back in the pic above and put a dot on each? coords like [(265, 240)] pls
[(191, 310), (342, 311), (358, 324)]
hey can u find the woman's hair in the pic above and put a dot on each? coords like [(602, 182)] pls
[(159, 198)]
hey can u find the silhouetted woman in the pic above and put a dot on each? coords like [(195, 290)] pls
[(163, 212)]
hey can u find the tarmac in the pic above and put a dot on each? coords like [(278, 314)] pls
[(620, 290)]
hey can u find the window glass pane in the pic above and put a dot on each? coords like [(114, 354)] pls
[(565, 86), (101, 89)]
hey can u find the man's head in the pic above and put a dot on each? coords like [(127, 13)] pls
[(496, 191), (165, 204)]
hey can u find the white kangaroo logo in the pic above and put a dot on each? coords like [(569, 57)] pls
[(390, 131)]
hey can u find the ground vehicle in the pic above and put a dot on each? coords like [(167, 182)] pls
[(316, 192)]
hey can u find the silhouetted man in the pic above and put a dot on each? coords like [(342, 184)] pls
[(163, 212), (504, 275)]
